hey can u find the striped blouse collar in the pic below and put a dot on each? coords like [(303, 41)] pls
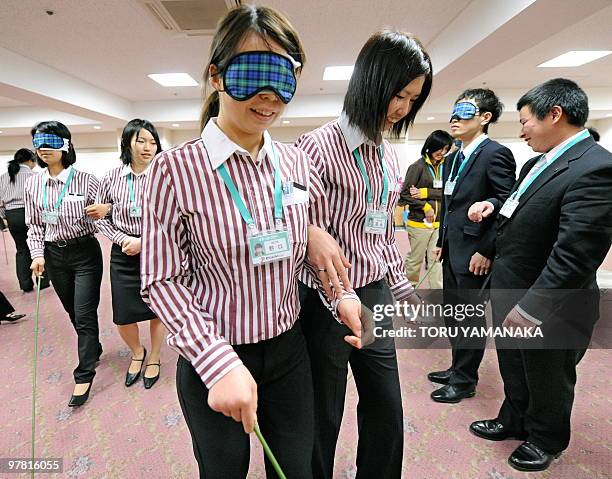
[(353, 136)]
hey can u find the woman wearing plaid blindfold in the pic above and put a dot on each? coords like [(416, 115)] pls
[(226, 222)]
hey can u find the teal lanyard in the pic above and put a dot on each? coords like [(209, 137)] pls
[(62, 193), (517, 194), (384, 197), (278, 193), (131, 188), (433, 172), (463, 163)]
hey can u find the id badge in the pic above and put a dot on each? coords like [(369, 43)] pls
[(376, 222), (269, 246), (135, 210), (50, 217), (449, 187), (437, 183), (509, 206)]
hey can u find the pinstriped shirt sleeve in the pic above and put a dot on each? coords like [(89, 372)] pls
[(106, 225), (166, 281), (33, 218)]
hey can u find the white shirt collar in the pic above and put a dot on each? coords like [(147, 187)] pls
[(63, 176), (560, 146), (219, 147), (127, 169), (468, 150), (353, 136), (24, 166)]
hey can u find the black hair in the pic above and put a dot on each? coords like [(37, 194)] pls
[(266, 22), (487, 101), (61, 130), (132, 128), (594, 133), (437, 140), (387, 62), (557, 92), (23, 155)]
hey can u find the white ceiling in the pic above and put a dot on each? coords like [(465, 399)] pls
[(89, 60)]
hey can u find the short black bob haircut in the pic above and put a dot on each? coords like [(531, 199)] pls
[(437, 140), (557, 92), (61, 130), (388, 61), (132, 128), (486, 100)]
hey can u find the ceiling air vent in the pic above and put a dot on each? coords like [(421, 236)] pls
[(189, 17)]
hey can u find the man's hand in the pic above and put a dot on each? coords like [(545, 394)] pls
[(415, 192), (479, 265), (436, 252), (5, 222), (38, 266), (235, 395), (514, 319), (131, 246), (97, 211), (479, 211), (325, 255), (349, 312)]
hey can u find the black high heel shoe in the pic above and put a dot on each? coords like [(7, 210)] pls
[(131, 378), (12, 317), (76, 401), (149, 382)]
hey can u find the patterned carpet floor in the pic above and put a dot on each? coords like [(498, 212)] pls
[(136, 433)]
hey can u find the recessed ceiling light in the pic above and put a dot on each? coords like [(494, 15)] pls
[(175, 125), (285, 122), (575, 58), (173, 79), (1, 132), (431, 118), (338, 73), (97, 127)]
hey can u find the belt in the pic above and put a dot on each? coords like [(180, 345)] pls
[(62, 243)]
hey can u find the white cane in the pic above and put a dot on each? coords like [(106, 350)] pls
[(5, 252)]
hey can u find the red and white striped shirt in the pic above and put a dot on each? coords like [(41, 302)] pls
[(11, 194), (114, 190), (72, 221), (373, 257), (196, 269)]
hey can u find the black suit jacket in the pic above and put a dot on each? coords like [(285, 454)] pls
[(489, 175), (556, 239)]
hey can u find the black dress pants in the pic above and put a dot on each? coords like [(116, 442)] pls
[(5, 306), (281, 370), (467, 353), (379, 411), (19, 232), (76, 273)]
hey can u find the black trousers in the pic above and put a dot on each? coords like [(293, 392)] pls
[(379, 411), (76, 274), (19, 232), (284, 413), (5, 306), (467, 353)]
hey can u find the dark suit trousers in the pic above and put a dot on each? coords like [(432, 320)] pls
[(5, 306), (281, 370), (76, 274), (19, 232), (379, 411), (467, 353)]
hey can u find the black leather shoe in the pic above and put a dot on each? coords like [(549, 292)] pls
[(530, 458), (131, 378), (11, 318), (492, 430), (452, 394), (76, 401), (148, 382), (440, 377)]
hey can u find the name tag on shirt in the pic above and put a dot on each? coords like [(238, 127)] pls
[(269, 246), (71, 197), (135, 210), (437, 183), (376, 222), (50, 217), (509, 207), (449, 187), (294, 193)]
